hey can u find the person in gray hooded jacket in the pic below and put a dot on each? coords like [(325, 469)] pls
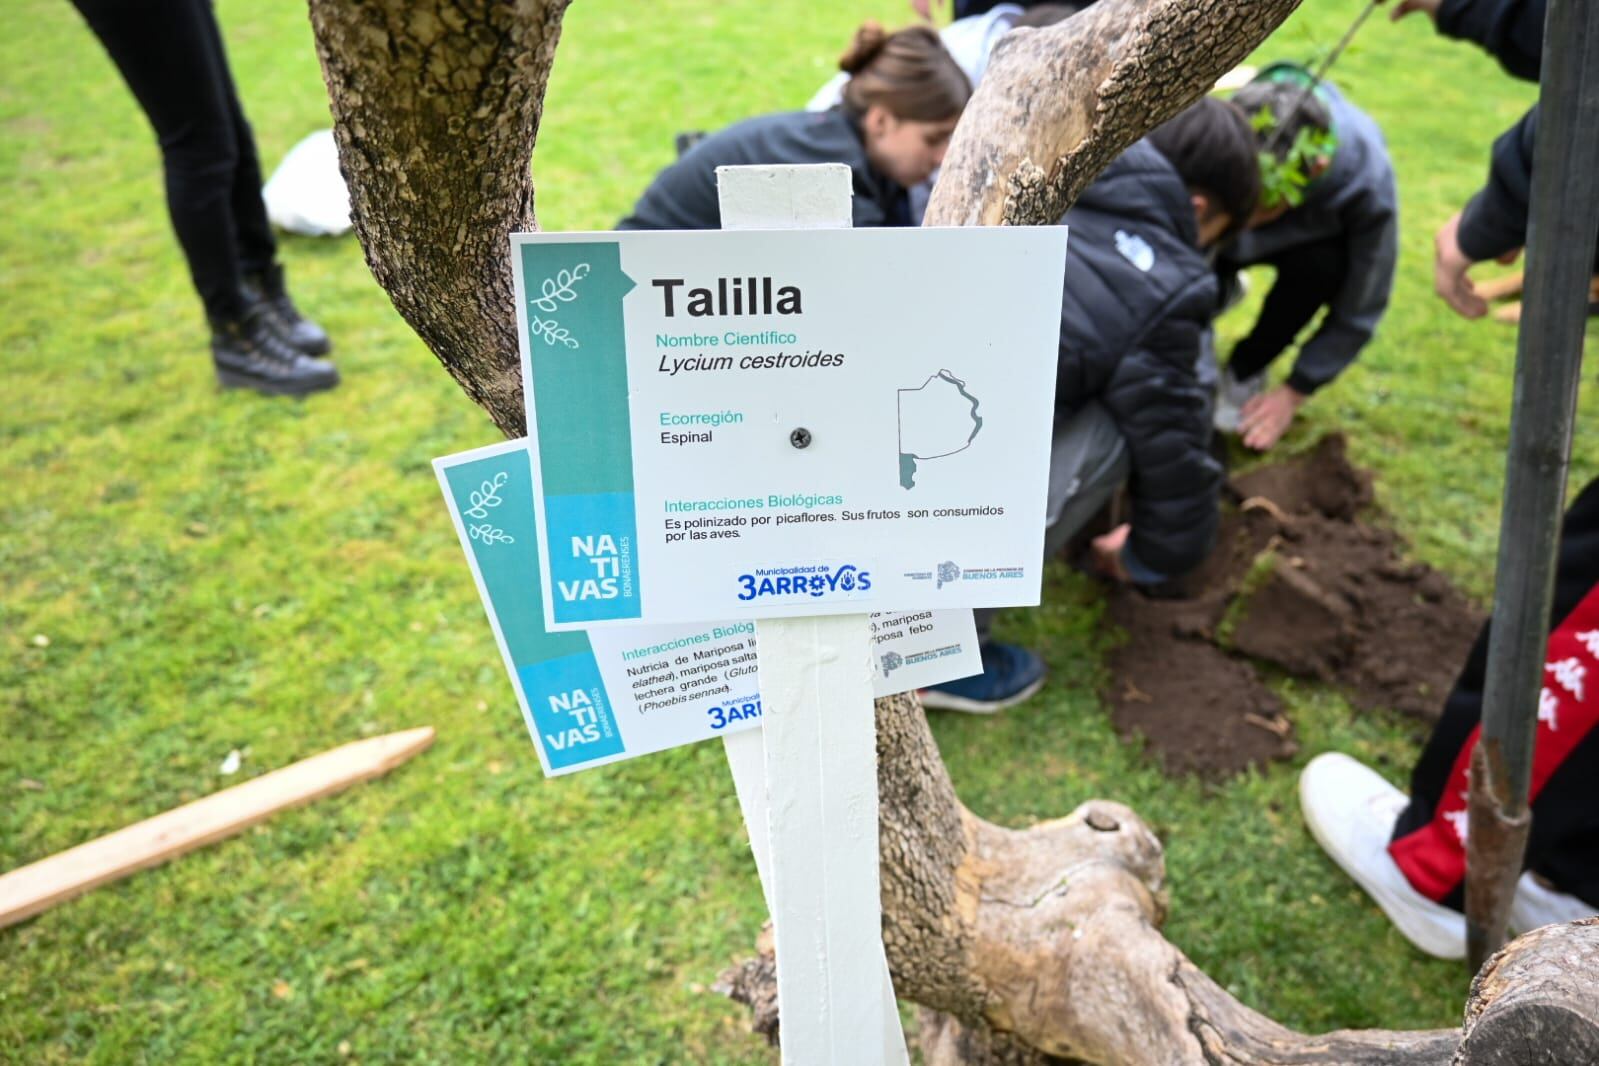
[(1329, 224)]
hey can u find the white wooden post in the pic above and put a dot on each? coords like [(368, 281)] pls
[(746, 757), (807, 780)]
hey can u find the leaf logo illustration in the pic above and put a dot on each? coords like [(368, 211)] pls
[(559, 289), (486, 496), (489, 534), (552, 331)]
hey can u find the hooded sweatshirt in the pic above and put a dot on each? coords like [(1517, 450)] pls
[(1356, 200), (683, 196), (1139, 295)]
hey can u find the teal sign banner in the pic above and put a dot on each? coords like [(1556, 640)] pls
[(591, 698), (559, 683), (572, 308)]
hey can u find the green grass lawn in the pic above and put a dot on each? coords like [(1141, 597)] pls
[(185, 572)]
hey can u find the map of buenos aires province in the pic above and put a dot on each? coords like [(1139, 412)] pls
[(937, 418)]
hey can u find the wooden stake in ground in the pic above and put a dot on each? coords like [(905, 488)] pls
[(39, 886), (807, 781)]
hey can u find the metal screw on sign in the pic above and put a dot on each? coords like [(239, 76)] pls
[(800, 438)]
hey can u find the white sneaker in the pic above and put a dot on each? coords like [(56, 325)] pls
[(1351, 812), (1536, 905), (1231, 395)]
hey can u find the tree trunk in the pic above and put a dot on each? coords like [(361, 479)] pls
[(1057, 104), (1042, 941), (1536, 1003), (1045, 941), (435, 108)]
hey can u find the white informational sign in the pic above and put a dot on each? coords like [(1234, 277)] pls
[(591, 699), (732, 425)]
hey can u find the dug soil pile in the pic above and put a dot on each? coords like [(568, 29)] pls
[(1300, 581)]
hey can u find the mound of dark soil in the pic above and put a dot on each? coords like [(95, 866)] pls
[(1302, 581), (1198, 709)]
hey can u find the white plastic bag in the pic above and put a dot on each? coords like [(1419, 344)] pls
[(307, 194)]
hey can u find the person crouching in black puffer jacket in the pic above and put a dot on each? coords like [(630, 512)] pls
[(1128, 404)]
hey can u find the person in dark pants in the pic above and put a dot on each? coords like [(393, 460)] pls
[(171, 56), (1333, 241), (1409, 853)]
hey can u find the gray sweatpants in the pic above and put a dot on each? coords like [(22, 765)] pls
[(1087, 462)]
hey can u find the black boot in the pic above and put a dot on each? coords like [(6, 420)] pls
[(307, 336), (249, 353)]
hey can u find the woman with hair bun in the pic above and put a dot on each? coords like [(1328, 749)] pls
[(899, 107)]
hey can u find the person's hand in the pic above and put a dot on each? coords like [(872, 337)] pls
[(1107, 552), (924, 8), (1449, 266), (1410, 7), (1265, 418)]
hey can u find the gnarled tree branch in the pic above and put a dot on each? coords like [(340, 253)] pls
[(1047, 939), (1057, 104)]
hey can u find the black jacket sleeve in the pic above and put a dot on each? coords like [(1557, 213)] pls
[(1371, 241), (683, 196), (1155, 397), (1495, 221), (1510, 30)]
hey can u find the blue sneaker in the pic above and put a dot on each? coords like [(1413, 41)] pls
[(1010, 675)]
